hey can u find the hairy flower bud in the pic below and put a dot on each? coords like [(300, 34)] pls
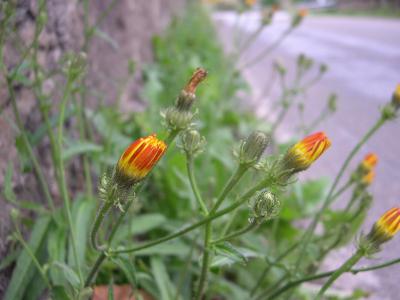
[(192, 142), (264, 206), (385, 228), (176, 119), (138, 160), (301, 155), (253, 147)]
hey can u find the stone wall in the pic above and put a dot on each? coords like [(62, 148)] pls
[(129, 28)]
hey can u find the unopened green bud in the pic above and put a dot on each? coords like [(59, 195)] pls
[(176, 119), (388, 112), (323, 68), (192, 142), (332, 102), (264, 206), (253, 147)]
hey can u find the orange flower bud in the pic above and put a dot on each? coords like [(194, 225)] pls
[(370, 161), (139, 159), (368, 178), (386, 227), (298, 18), (301, 155)]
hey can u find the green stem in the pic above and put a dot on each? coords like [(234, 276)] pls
[(94, 269), (28, 250), (270, 265), (267, 51), (61, 168), (28, 146), (344, 268), (205, 262), (97, 224), (237, 175), (232, 235), (329, 198), (193, 183), (210, 217)]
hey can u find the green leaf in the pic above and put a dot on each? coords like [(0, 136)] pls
[(82, 214), (56, 248), (80, 147), (69, 274), (143, 223), (127, 267), (162, 279), (58, 292), (25, 269), (228, 254), (8, 192), (9, 259)]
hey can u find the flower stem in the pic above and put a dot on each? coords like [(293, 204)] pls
[(344, 268), (239, 232), (205, 262), (193, 183), (64, 191)]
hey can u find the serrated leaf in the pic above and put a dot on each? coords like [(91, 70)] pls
[(25, 270)]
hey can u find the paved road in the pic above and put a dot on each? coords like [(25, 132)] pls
[(364, 67)]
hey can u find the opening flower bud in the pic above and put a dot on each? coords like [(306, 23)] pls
[(369, 162), (385, 228), (253, 147), (138, 160), (301, 155), (198, 76), (264, 205)]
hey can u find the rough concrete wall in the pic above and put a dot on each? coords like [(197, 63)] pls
[(130, 25)]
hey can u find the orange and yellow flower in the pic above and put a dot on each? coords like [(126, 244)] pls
[(301, 155), (369, 161), (388, 224), (139, 159)]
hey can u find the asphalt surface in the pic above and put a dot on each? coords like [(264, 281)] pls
[(363, 56)]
